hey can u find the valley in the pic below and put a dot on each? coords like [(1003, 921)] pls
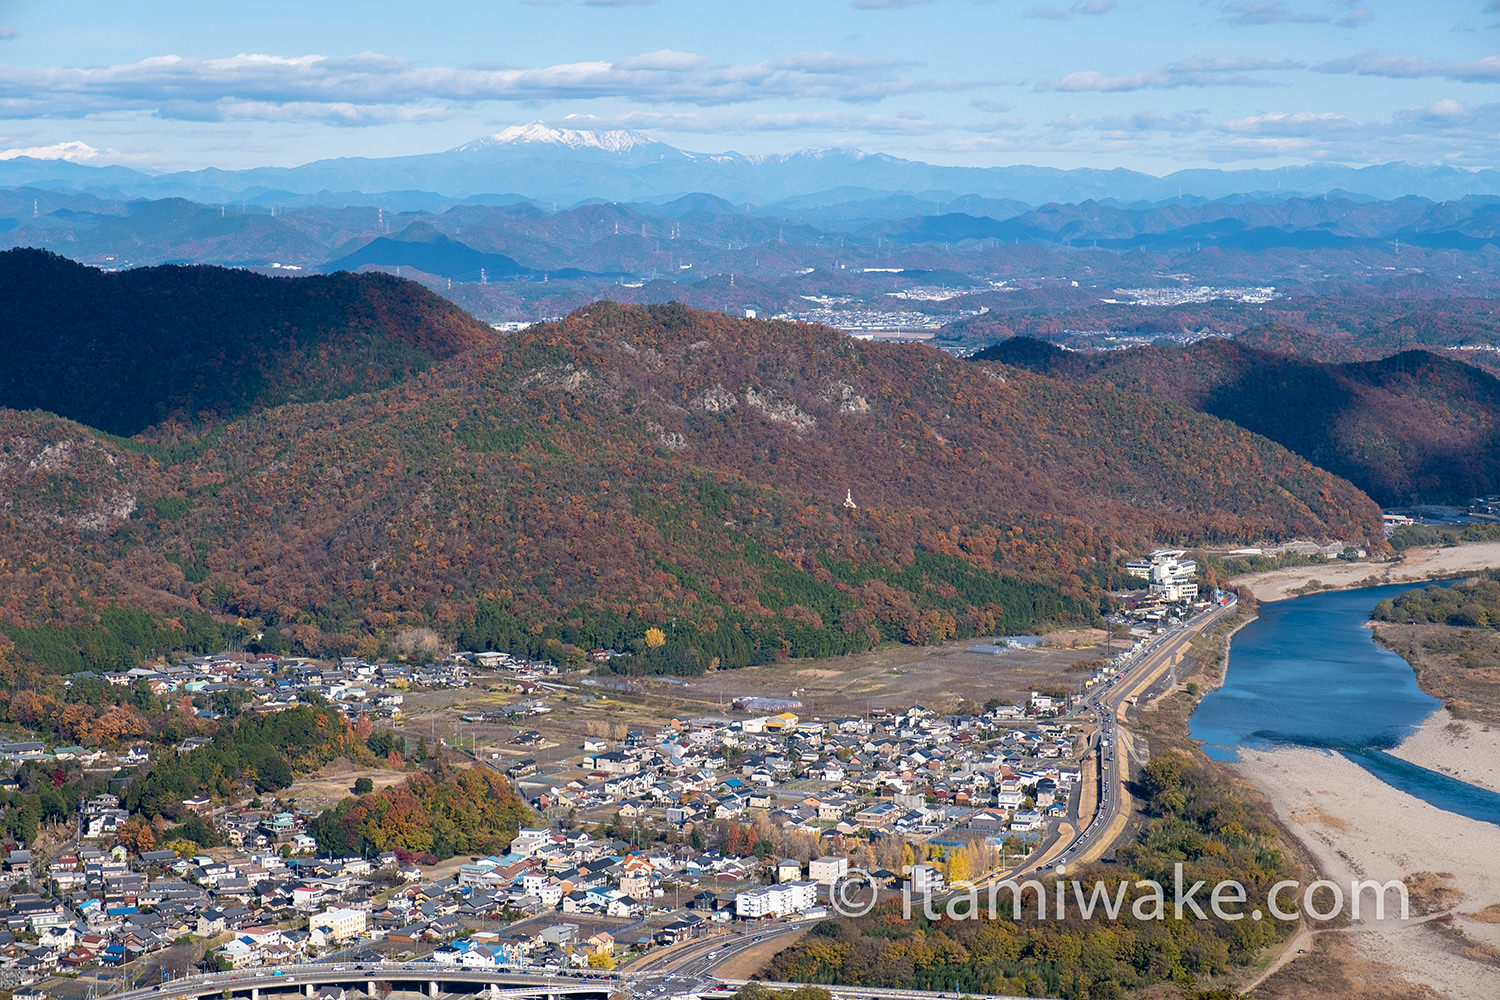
[(565, 561)]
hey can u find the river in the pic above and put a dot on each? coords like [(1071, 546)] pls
[(1308, 673)]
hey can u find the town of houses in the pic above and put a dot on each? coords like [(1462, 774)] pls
[(566, 893), (632, 855)]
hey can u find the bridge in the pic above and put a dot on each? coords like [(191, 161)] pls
[(286, 982), (293, 982)]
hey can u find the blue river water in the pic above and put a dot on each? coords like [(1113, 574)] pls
[(1308, 673)]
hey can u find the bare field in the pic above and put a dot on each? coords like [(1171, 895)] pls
[(936, 677), (597, 712), (334, 781), (890, 677)]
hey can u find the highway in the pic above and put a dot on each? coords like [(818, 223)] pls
[(1108, 702), (1151, 673)]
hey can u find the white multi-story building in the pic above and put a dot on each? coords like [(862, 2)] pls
[(776, 900), (926, 878), (1170, 576), (827, 870), (529, 842), (338, 923)]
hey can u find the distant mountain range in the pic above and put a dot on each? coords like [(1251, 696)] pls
[(462, 241), (567, 166), (424, 249)]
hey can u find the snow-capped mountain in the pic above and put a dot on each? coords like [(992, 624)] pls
[(611, 141), (539, 162)]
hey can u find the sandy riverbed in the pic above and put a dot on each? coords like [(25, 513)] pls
[(1356, 827), (1460, 748), (1418, 564)]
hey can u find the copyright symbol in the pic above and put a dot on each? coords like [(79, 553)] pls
[(854, 894)]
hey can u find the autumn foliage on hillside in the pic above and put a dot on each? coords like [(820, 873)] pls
[(457, 811), (631, 467), (1410, 427), (129, 350)]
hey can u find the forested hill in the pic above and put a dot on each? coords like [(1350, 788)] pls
[(1410, 427), (635, 466), (123, 351)]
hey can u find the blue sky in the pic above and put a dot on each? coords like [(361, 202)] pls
[(1154, 86)]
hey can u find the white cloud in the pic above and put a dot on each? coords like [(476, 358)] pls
[(1267, 12), (1483, 70), (664, 59), (251, 83), (1094, 80), (1444, 109), (1231, 65), (1141, 122), (1444, 131), (823, 122), (838, 121), (1052, 12), (1292, 123), (1196, 72), (327, 112)]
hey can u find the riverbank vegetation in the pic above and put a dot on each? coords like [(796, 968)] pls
[(1475, 603), (1421, 536), (1451, 637)]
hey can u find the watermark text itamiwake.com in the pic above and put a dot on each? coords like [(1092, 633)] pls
[(1063, 899)]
